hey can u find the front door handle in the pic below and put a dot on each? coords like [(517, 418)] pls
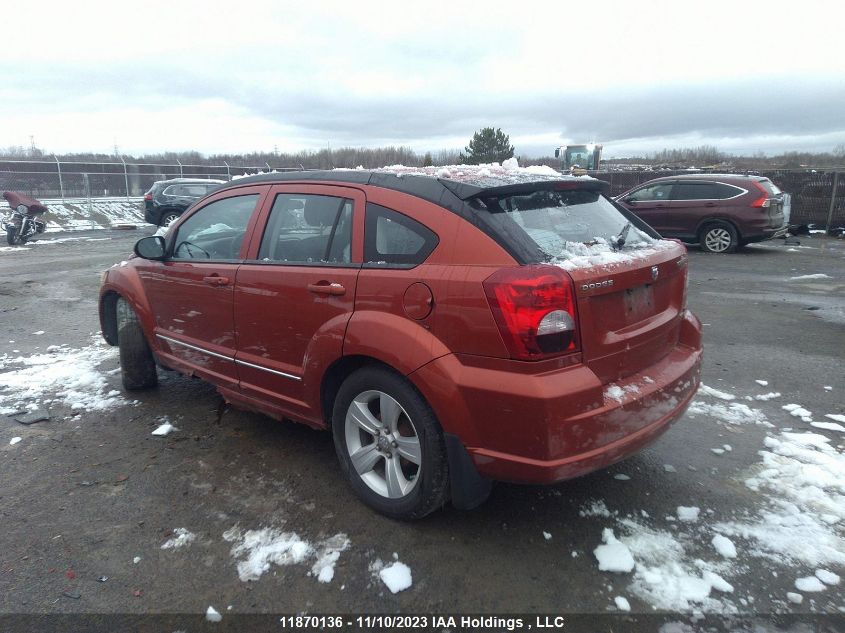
[(327, 288), (216, 280)]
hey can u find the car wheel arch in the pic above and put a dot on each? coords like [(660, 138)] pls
[(337, 373), (715, 219)]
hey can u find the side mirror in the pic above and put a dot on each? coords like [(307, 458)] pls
[(150, 247)]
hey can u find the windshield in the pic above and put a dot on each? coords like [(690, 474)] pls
[(562, 223)]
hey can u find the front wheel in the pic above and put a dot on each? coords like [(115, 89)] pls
[(11, 235), (718, 237), (390, 445), (137, 366)]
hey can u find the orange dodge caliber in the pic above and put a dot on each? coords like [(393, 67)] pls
[(449, 326)]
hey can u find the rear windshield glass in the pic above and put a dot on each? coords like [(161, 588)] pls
[(770, 187), (562, 223)]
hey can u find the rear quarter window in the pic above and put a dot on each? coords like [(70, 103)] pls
[(392, 239)]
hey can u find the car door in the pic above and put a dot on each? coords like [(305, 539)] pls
[(295, 294), (650, 203), (691, 202), (190, 293)]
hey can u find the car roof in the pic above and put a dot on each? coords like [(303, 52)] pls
[(433, 183), (174, 181), (701, 176)]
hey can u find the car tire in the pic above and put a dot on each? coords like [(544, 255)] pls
[(137, 366), (11, 235), (718, 237), (168, 218), (396, 462)]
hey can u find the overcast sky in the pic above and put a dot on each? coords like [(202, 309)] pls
[(635, 76)]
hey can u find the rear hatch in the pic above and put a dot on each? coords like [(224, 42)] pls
[(775, 203), (629, 284)]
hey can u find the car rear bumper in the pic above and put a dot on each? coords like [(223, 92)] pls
[(548, 427)]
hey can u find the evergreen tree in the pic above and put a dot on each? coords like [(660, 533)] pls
[(488, 145)]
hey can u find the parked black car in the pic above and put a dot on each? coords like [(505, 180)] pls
[(167, 199)]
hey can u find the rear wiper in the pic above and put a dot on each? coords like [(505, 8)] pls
[(619, 240)]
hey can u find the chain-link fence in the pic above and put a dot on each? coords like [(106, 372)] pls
[(812, 191), (814, 199), (61, 179)]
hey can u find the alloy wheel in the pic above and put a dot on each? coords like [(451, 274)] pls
[(717, 239), (383, 444)]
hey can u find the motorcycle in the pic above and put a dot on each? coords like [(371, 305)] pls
[(22, 222)]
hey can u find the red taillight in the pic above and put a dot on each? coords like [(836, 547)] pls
[(763, 200), (148, 197), (534, 307)]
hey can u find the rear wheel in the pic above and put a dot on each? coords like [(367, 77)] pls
[(390, 445), (137, 366), (168, 218), (718, 237)]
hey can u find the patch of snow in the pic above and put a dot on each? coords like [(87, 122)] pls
[(709, 391), (212, 615), (164, 429), (828, 426), (718, 451), (688, 514), (397, 577), (828, 388), (798, 411), (613, 555), (762, 383), (136, 560), (794, 598), (14, 440), (547, 536), (599, 252), (183, 537), (815, 276), (328, 553), (803, 479), (827, 577), (669, 468), (836, 417), (621, 477), (621, 603), (734, 413), (809, 584), (595, 508), (258, 549), (767, 396), (70, 376), (724, 546)]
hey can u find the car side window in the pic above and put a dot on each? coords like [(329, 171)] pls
[(724, 191), (393, 239), (193, 191), (694, 191), (216, 231), (308, 229), (652, 192)]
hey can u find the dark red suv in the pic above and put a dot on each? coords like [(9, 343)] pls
[(720, 212), (449, 327)]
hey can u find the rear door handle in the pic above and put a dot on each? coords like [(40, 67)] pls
[(216, 280), (327, 288)]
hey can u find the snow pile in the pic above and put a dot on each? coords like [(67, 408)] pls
[(599, 252), (827, 577), (397, 576), (257, 549), (613, 555), (688, 514), (803, 477), (734, 413), (164, 428), (663, 575), (622, 603), (596, 508), (724, 546), (212, 615), (509, 170), (15, 440), (69, 376), (809, 584), (182, 538)]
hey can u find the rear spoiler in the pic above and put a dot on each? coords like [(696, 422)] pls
[(465, 190)]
